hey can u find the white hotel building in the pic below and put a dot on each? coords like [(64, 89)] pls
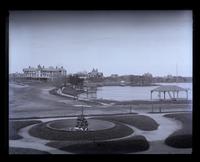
[(44, 73)]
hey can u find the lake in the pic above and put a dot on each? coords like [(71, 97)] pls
[(126, 93)]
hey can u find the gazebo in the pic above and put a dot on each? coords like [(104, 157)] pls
[(171, 90)]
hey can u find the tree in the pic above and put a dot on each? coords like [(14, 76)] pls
[(75, 80), (59, 80), (147, 77)]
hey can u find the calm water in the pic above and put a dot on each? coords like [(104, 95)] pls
[(136, 93)]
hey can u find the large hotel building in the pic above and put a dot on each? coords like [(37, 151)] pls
[(44, 73)]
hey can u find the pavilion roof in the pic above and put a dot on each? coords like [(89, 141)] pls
[(168, 88)]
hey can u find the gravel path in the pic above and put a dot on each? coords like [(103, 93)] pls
[(33, 142)]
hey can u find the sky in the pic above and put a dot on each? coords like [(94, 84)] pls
[(114, 42)]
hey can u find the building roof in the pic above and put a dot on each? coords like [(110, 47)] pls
[(168, 88), (29, 69), (51, 68)]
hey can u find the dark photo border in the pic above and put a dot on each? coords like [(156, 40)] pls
[(98, 5)]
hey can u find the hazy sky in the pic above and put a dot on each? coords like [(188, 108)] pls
[(115, 42)]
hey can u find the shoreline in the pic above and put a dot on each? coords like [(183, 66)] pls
[(101, 84), (136, 102), (37, 101), (128, 102)]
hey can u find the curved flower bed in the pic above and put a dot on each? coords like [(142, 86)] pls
[(181, 138), (15, 126), (118, 131), (139, 121), (129, 145), (69, 124), (17, 150)]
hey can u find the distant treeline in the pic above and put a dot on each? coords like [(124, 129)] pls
[(173, 79), (147, 79)]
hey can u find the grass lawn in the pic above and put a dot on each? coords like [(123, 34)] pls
[(16, 150), (129, 145), (42, 131), (70, 91), (139, 121), (15, 126), (181, 138)]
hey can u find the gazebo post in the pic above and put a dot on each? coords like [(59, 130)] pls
[(159, 94), (187, 94), (173, 94), (164, 95)]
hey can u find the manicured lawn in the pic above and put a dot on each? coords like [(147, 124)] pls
[(42, 131), (70, 91), (16, 150), (119, 130), (129, 145), (15, 126), (181, 138), (140, 121)]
